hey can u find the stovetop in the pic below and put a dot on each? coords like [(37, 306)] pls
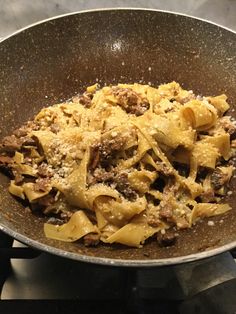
[(37, 282), (50, 283)]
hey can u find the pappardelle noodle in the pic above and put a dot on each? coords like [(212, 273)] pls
[(123, 163)]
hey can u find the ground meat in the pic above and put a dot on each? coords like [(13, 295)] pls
[(118, 181), (130, 101), (100, 175), (108, 148), (208, 196), (218, 178), (10, 144), (153, 221), (227, 124), (5, 160), (44, 204), (28, 141), (163, 168), (46, 200), (85, 99), (41, 185), (91, 239), (167, 204), (105, 151), (21, 132), (44, 171), (166, 211), (153, 218), (52, 205), (186, 99), (25, 129), (65, 215), (123, 186), (95, 157), (18, 177), (167, 239), (55, 128), (165, 208), (13, 143)]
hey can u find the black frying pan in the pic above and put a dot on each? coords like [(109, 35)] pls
[(53, 60)]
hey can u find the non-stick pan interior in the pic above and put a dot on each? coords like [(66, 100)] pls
[(56, 59)]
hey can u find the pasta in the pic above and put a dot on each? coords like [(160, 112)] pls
[(123, 163)]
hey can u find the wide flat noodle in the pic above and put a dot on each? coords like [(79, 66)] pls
[(221, 142), (143, 147), (134, 233), (78, 226), (16, 190), (30, 192), (200, 115), (98, 190), (165, 130), (75, 186), (45, 138), (119, 212), (205, 154), (220, 103), (141, 180), (207, 210)]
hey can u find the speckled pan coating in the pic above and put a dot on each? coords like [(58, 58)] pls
[(54, 60)]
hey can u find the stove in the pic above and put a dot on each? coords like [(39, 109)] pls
[(37, 282)]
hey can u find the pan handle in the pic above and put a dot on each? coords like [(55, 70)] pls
[(216, 300), (198, 276), (209, 286)]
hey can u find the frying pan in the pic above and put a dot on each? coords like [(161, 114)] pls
[(53, 60)]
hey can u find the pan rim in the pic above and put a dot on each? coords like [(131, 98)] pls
[(111, 9), (145, 263), (111, 261)]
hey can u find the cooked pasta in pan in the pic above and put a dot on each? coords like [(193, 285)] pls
[(123, 163)]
